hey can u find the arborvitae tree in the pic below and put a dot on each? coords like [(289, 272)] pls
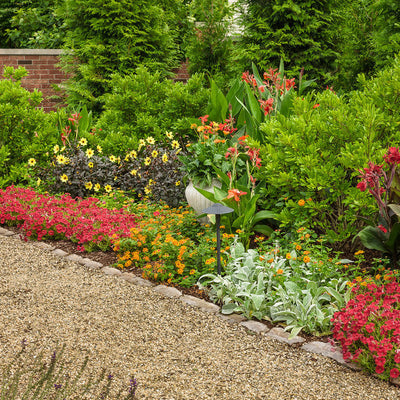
[(296, 31), (114, 36), (207, 43), (7, 10), (36, 24), (368, 39)]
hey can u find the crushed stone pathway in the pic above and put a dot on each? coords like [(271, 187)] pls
[(177, 347)]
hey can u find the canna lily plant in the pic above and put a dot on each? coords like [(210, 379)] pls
[(240, 191), (381, 183)]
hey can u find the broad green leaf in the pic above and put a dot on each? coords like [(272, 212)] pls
[(395, 208), (228, 308), (371, 238), (253, 104), (264, 229), (394, 237), (258, 300), (264, 214)]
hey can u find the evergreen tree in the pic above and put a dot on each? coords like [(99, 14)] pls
[(296, 31), (114, 37)]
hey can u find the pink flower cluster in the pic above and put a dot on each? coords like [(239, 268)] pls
[(368, 328), (83, 221)]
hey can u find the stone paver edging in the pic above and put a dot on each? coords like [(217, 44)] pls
[(254, 327)]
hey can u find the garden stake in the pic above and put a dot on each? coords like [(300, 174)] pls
[(218, 209)]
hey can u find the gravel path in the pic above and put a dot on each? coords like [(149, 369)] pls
[(175, 351)]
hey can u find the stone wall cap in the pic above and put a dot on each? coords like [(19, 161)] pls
[(31, 52)]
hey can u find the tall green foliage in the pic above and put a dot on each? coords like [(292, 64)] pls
[(7, 9), (36, 24), (115, 36), (142, 104), (316, 153), (298, 32), (26, 130), (368, 39), (207, 43)]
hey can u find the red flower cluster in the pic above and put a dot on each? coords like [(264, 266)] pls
[(378, 182), (83, 221), (368, 328), (273, 83)]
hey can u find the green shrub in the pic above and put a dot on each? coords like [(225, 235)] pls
[(105, 38), (142, 104), (299, 32), (208, 45), (26, 131), (316, 154), (367, 39)]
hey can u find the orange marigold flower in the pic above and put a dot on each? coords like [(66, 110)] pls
[(280, 271), (288, 256), (306, 259), (301, 203)]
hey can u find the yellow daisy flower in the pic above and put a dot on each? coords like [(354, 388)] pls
[(89, 185), (83, 142), (165, 157), (89, 153), (113, 158), (177, 183), (150, 140), (169, 135), (175, 144), (99, 149), (97, 187), (147, 161), (38, 182), (90, 165), (64, 178), (61, 159), (56, 149), (31, 162), (134, 172), (108, 188), (133, 154), (154, 154)]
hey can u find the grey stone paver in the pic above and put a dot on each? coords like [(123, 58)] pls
[(168, 291), (327, 350), (200, 303), (232, 318), (111, 271), (136, 280), (282, 336), (255, 326), (60, 253)]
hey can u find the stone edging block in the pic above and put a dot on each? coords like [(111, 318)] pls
[(111, 271), (255, 326), (168, 291), (200, 303), (6, 232), (327, 350), (282, 336)]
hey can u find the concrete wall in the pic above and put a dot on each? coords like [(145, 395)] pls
[(41, 65)]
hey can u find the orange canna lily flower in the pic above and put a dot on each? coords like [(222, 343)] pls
[(235, 194)]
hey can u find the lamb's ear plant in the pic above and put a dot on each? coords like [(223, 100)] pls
[(44, 379), (278, 289)]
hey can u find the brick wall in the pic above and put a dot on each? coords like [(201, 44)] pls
[(182, 73), (41, 65)]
